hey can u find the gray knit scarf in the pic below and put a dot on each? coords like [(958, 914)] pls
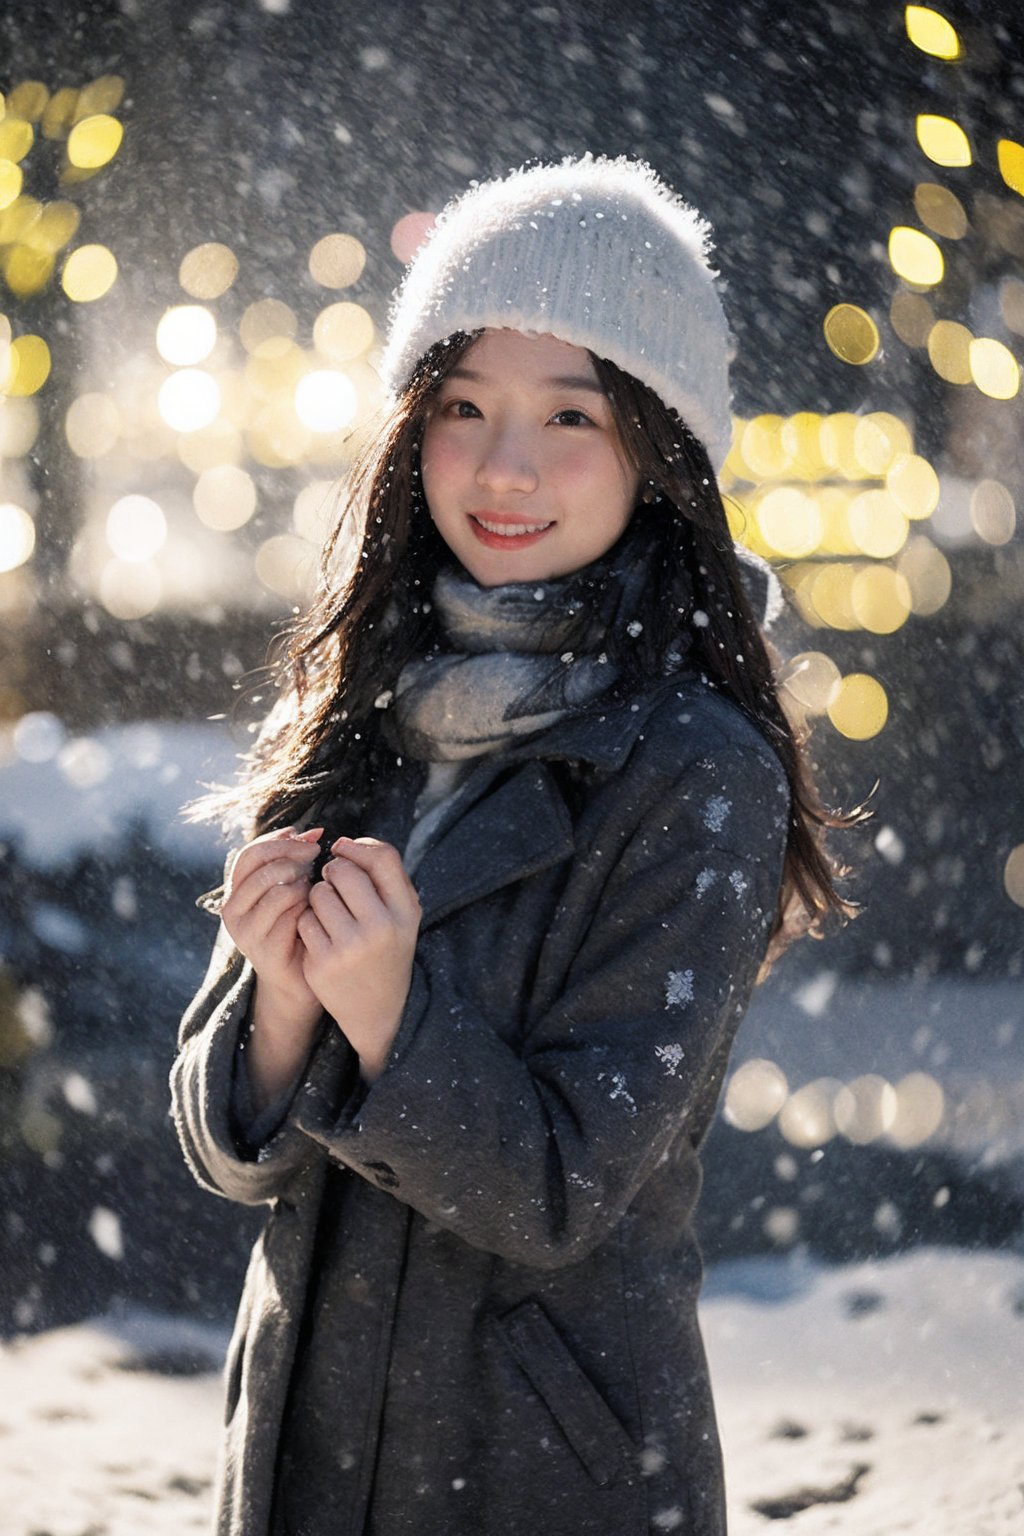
[(521, 655)]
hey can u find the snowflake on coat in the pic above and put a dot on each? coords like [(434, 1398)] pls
[(672, 1056), (678, 989)]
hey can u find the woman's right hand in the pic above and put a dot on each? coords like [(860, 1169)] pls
[(267, 892)]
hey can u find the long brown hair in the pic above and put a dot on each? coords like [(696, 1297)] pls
[(336, 667)]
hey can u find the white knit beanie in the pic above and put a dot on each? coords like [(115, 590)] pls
[(597, 252)]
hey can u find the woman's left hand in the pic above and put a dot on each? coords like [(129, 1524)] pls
[(359, 935)]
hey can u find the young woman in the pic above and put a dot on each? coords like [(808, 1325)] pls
[(469, 1052)]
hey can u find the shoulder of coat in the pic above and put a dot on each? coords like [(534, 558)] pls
[(691, 724)]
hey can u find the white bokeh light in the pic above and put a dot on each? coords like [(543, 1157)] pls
[(325, 400), (189, 400), (186, 334), (136, 528)]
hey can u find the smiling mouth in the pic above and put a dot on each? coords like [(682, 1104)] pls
[(507, 533)]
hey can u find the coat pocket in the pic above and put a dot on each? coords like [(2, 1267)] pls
[(585, 1419)]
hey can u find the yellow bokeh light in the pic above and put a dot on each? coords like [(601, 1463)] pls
[(219, 443), (267, 328), (931, 32), (272, 372), (927, 573), (993, 512), (877, 440), (276, 437), (838, 439), (851, 334), (755, 1093), (28, 100), (17, 536), (1011, 164), (812, 679), (136, 528), (224, 497), (943, 140), (877, 525), (11, 179), (337, 261), (860, 708), (834, 505), (92, 425), (789, 522), (865, 1109), (915, 257), (994, 368), (89, 273), (59, 113), (100, 96), (912, 318), (880, 599), (16, 138), (800, 437), (19, 219), (55, 226), (208, 270), (27, 271), (920, 1107), (286, 565), (94, 141), (30, 365), (325, 400), (343, 332), (1013, 875), (829, 594), (949, 351), (941, 210), (314, 511), (913, 485), (186, 334), (130, 590), (761, 447), (189, 400)]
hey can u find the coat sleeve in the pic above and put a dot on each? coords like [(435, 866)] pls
[(536, 1153), (204, 1098)]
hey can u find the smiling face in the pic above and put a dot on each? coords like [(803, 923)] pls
[(523, 469)]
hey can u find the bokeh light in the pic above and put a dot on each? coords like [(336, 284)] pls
[(941, 210), (805, 1119), (136, 528), (224, 497), (57, 223), (1010, 156), (219, 443), (314, 511), (189, 399), (208, 270), (920, 1108), (102, 95), (915, 257), (94, 141), (943, 140), (994, 368), (913, 485), (11, 179), (325, 400), (337, 261), (812, 679), (949, 351), (343, 332), (16, 138), (877, 524), (1011, 304), (30, 365), (880, 598), (130, 590), (267, 328), (186, 334), (19, 427), (864, 1109), (409, 233), (17, 536), (755, 1093), (860, 707), (851, 334), (931, 32), (789, 521), (927, 574), (89, 273), (28, 100), (286, 565), (92, 425), (1013, 875), (993, 512)]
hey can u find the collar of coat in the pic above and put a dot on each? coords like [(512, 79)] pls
[(486, 841)]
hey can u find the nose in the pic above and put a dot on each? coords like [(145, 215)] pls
[(507, 464)]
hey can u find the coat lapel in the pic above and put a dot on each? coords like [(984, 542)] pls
[(517, 830)]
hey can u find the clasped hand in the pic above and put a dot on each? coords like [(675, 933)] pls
[(343, 945)]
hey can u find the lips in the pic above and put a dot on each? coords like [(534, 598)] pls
[(505, 531)]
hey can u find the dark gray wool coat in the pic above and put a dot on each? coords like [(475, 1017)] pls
[(473, 1306)]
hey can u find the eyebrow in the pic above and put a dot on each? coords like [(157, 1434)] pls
[(562, 381)]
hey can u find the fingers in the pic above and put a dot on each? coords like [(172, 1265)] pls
[(298, 847), (382, 864)]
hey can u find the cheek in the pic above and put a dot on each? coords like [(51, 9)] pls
[(442, 466)]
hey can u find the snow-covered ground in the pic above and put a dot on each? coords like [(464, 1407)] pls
[(869, 1400)]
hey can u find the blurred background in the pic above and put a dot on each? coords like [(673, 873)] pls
[(204, 207)]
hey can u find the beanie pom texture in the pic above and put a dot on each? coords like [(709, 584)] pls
[(597, 252)]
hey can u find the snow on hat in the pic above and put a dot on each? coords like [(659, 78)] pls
[(598, 252)]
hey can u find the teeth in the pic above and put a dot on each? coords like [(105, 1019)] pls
[(511, 530)]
